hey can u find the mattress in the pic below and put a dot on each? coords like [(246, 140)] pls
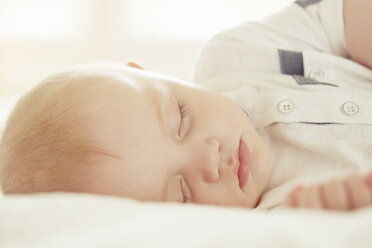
[(84, 220)]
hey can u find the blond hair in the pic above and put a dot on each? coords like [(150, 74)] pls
[(46, 133)]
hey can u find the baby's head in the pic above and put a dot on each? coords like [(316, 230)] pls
[(115, 130)]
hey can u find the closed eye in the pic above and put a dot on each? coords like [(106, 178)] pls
[(185, 191), (184, 117)]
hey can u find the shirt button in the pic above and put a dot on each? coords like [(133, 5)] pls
[(286, 106), (317, 74), (350, 108)]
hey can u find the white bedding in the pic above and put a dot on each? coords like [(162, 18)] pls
[(82, 220)]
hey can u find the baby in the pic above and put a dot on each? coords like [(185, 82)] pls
[(120, 130), (114, 130)]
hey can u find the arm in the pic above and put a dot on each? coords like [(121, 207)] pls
[(358, 30), (352, 192), (311, 28)]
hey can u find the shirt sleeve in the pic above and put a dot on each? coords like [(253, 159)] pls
[(276, 45)]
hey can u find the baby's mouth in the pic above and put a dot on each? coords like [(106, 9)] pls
[(244, 157)]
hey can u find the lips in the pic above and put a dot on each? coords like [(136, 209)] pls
[(244, 157)]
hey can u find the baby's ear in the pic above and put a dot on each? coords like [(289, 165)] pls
[(134, 65)]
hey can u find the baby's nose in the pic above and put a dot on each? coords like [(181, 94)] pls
[(209, 160)]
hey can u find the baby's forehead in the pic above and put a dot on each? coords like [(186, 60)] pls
[(126, 82), (132, 77), (100, 89)]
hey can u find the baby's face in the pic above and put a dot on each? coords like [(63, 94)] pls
[(176, 141)]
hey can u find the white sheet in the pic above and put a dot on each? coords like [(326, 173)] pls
[(81, 220)]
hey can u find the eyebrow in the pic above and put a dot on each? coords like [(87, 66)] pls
[(156, 102), (91, 149)]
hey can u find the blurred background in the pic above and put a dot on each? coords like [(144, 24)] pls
[(38, 37)]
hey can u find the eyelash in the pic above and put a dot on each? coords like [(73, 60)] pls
[(184, 114), (184, 187), (185, 191)]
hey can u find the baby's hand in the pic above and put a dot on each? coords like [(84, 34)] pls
[(354, 191)]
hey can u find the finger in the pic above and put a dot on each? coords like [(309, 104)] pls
[(313, 199), (301, 197), (360, 193), (289, 200), (335, 195), (368, 180), (292, 198)]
